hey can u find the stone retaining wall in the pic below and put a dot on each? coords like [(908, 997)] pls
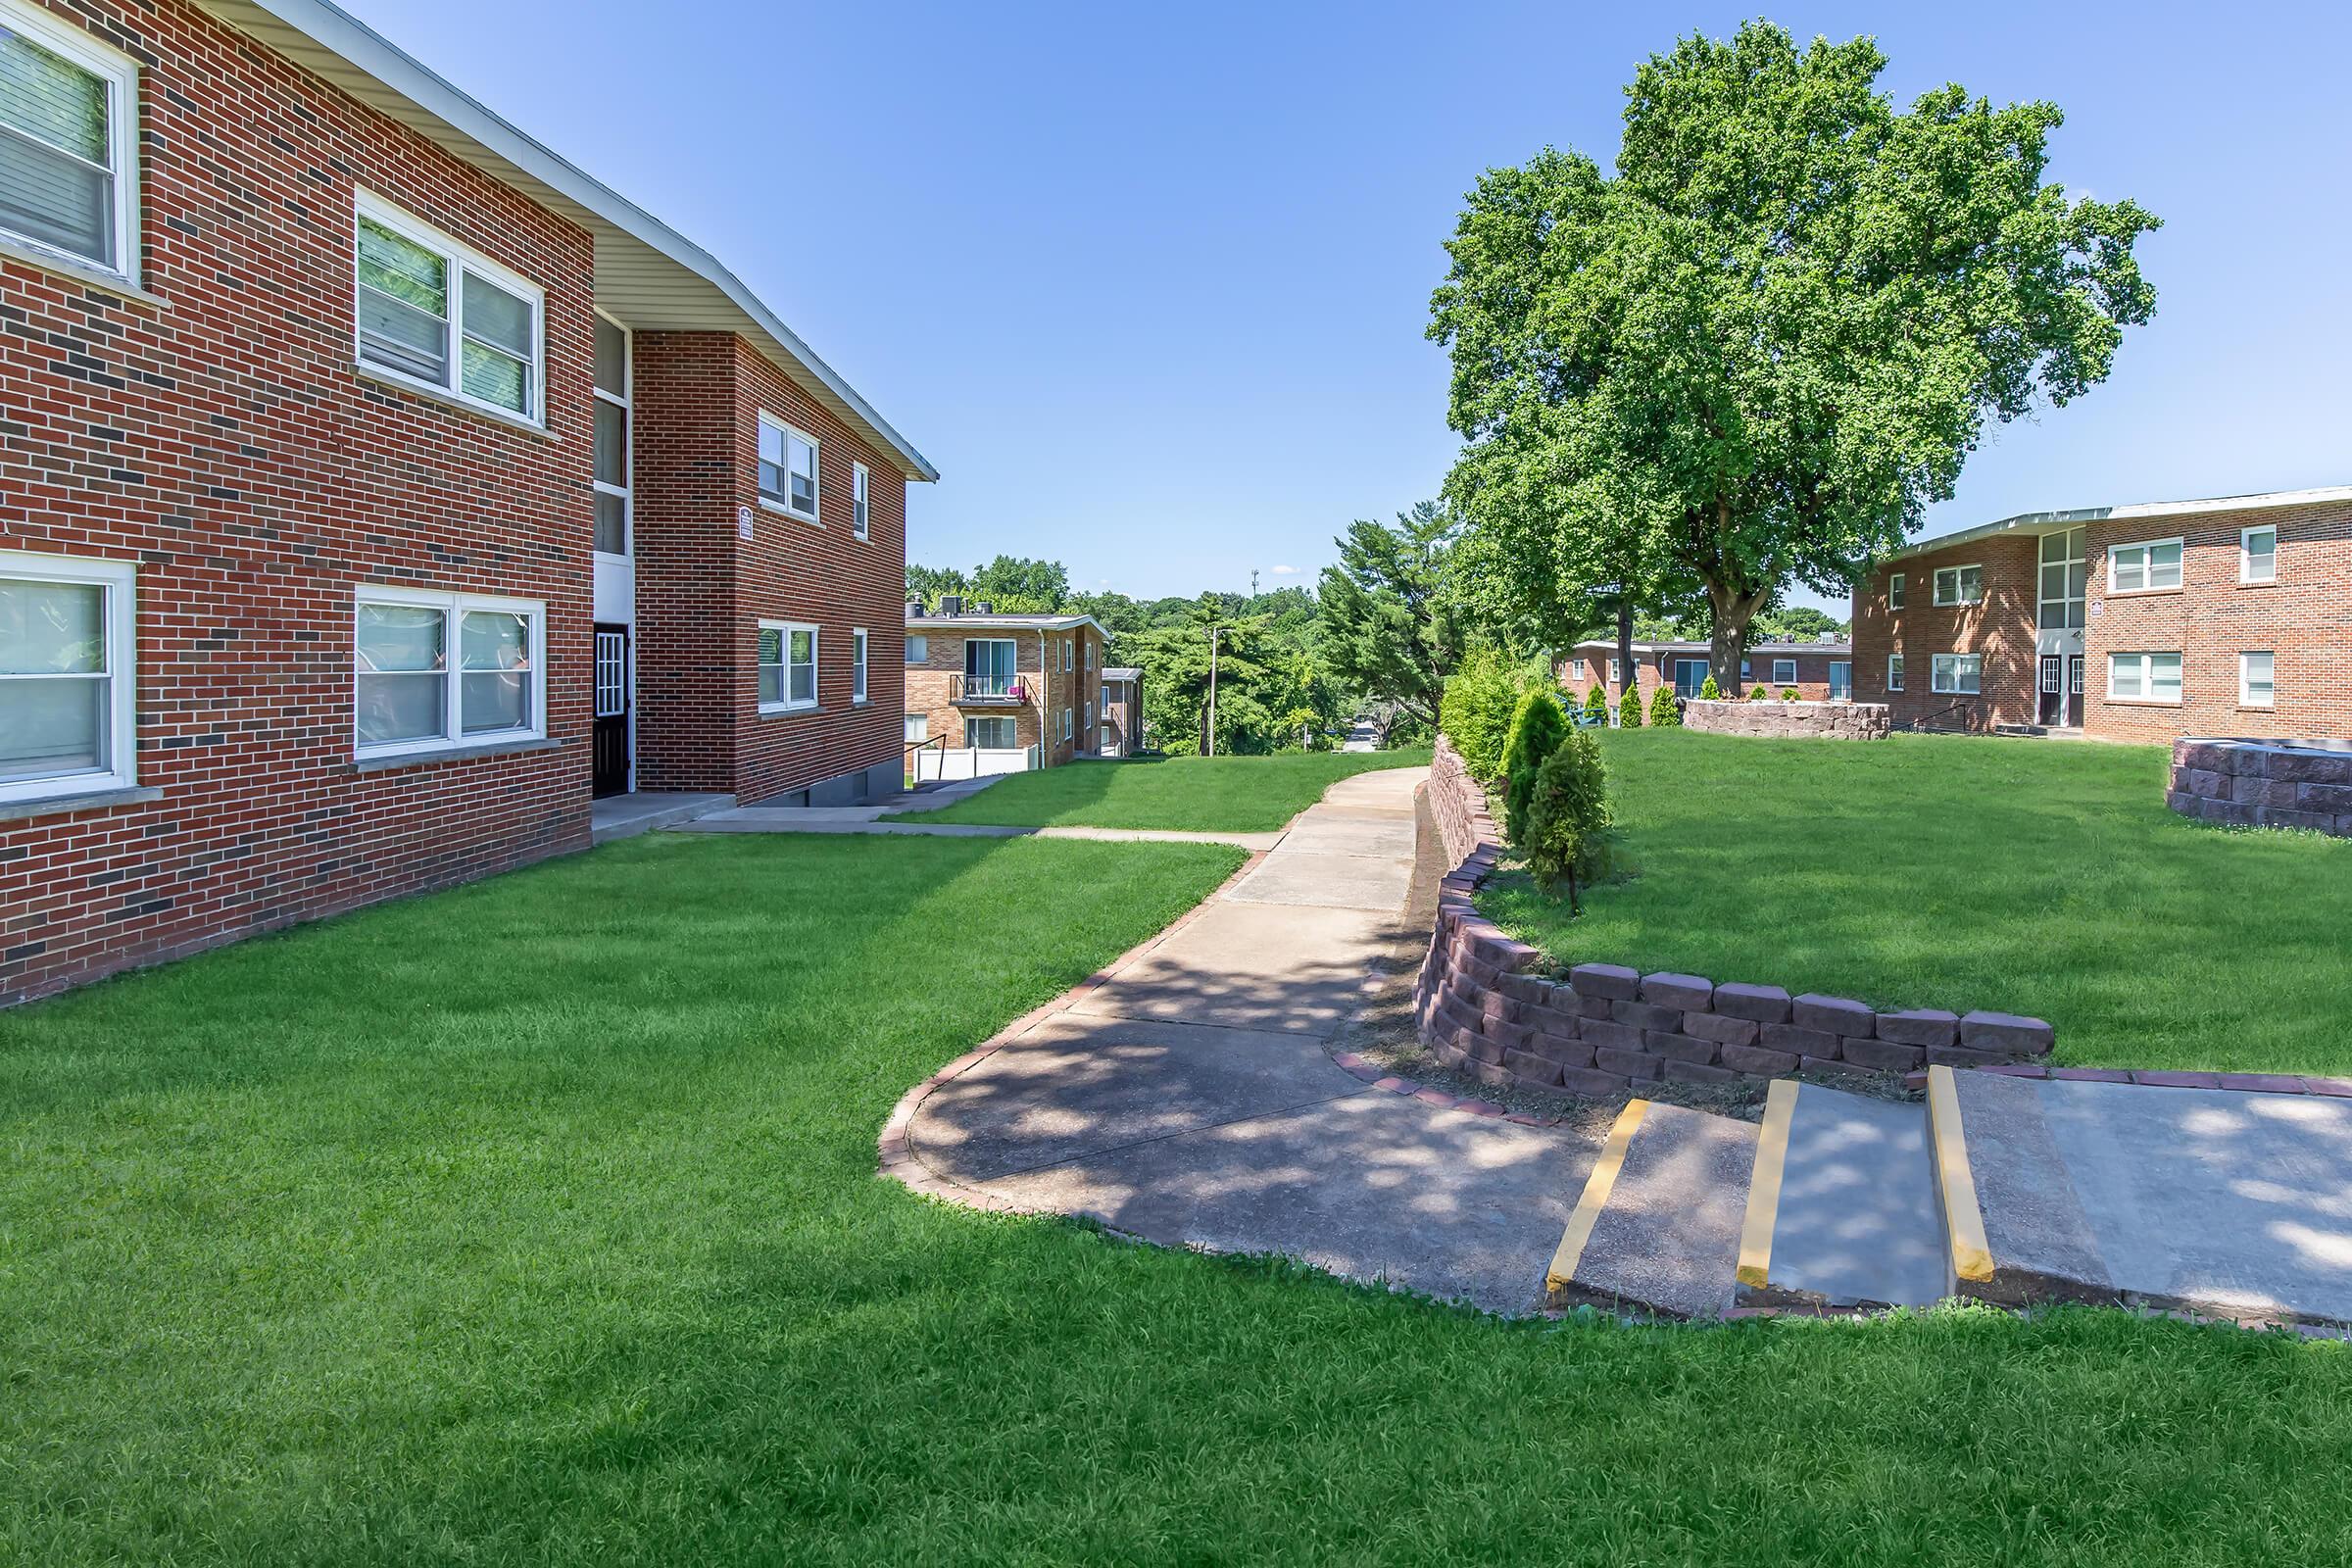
[(1486, 1007), (1836, 722), (2256, 783)]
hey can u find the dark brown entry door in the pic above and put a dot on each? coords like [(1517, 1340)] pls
[(2053, 689), (2074, 689), (612, 739)]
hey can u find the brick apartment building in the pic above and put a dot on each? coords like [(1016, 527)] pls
[(1821, 672), (1010, 693), (376, 488), (2229, 617)]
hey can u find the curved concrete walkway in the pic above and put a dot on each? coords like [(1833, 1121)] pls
[(1188, 1094)]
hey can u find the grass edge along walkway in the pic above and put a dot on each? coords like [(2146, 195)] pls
[(1198, 794)]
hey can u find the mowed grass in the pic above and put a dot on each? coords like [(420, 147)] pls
[(1190, 794), (1949, 871), (538, 1222)]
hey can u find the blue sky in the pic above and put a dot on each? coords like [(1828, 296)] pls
[(1148, 283)]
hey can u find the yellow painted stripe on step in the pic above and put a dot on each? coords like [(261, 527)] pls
[(1963, 1220), (1597, 1187), (1764, 1185)]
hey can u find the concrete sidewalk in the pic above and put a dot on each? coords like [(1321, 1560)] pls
[(1190, 1097)]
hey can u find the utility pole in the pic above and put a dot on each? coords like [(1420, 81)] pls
[(1212, 691)]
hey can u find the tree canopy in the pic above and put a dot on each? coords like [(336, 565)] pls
[(1755, 352), (1388, 627)]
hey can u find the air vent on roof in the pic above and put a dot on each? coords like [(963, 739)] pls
[(915, 610), (951, 604), (983, 607)]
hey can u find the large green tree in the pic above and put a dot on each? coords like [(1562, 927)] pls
[(1388, 630), (1039, 587), (1752, 353)]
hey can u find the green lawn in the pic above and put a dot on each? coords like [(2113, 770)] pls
[(1924, 871), (538, 1222), (1194, 794)]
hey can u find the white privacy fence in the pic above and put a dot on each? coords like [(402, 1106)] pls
[(933, 763)]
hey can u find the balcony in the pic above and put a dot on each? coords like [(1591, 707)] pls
[(988, 691)]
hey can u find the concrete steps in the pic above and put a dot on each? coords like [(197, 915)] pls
[(1658, 1226)]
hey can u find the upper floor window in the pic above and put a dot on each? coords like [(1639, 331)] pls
[(2136, 568), (431, 312), (1895, 591), (1960, 585), (918, 648), (613, 416), (787, 469), (436, 671), (67, 649), (861, 519), (2258, 554), (68, 139)]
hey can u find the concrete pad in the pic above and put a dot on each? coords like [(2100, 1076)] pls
[(2042, 1244), (2207, 1199), (1374, 1186), (1668, 1237), (1073, 1085), (1857, 1222), (1326, 881), (1251, 966), (621, 816), (1388, 835)]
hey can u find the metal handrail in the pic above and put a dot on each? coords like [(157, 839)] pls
[(987, 689)]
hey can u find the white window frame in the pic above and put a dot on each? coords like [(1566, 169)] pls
[(1011, 724), (453, 608), (785, 703), (858, 651), (1788, 665), (1066, 729), (2245, 554), (1895, 672), (1957, 599), (919, 646), (2144, 666), (119, 581), (2246, 683), (860, 501), (816, 471), (120, 74), (1894, 590), (2146, 567), (625, 400), (1942, 686), (457, 259), (1616, 672), (1835, 695)]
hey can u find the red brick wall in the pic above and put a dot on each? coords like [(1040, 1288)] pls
[(689, 686), (226, 444), (930, 682), (2304, 618), (822, 572), (1578, 671), (2001, 628)]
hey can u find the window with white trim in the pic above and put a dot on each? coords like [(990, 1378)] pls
[(1895, 591), (434, 670), (68, 141), (857, 664), (1959, 585), (2256, 680), (2258, 554), (2138, 569), (1956, 674), (68, 645), (787, 469), (1895, 672), (995, 733), (2144, 677), (1616, 672), (1842, 680), (434, 313), (918, 648), (1784, 672), (1065, 725), (787, 665), (612, 406), (861, 485), (918, 728)]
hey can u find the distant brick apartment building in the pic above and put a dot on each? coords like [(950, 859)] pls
[(2229, 617), (1009, 692), (376, 488), (1821, 672)]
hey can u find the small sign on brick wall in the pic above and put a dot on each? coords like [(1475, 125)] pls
[(743, 522)]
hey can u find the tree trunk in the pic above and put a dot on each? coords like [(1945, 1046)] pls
[(1727, 639), (1627, 674)]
